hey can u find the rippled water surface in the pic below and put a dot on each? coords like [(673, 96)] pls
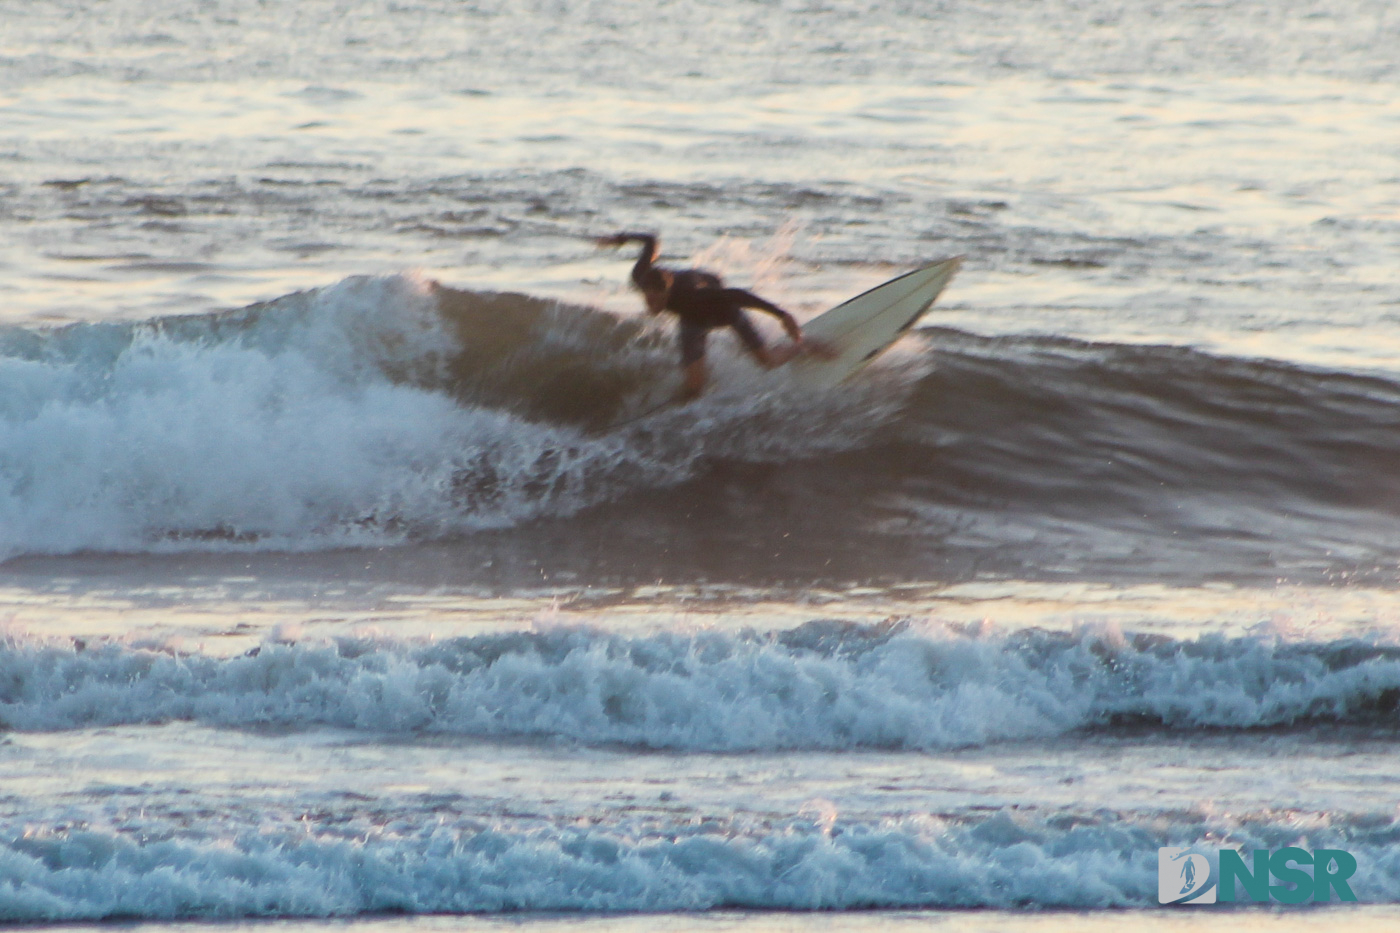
[(344, 575)]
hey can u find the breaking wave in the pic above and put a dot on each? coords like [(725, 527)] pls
[(318, 851), (416, 862), (374, 411), (824, 685), (380, 411)]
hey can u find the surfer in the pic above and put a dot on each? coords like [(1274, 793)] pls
[(701, 301)]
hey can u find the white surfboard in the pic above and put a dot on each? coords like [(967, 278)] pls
[(864, 327)]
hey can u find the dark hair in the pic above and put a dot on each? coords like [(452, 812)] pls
[(651, 280)]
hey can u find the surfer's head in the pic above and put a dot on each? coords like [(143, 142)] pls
[(655, 286)]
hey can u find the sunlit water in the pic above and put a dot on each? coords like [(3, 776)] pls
[(349, 605)]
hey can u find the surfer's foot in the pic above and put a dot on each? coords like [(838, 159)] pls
[(777, 356), (773, 357), (818, 348)]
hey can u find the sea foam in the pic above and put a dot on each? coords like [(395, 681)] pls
[(436, 863), (825, 685), (370, 412)]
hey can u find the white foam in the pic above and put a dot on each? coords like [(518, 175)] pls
[(825, 685), (319, 421), (417, 862), (813, 688)]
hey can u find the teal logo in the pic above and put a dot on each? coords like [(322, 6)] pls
[(1195, 875), (1186, 875)]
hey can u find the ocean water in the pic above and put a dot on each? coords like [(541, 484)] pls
[(332, 593)]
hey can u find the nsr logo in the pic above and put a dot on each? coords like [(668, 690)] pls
[(1194, 875)]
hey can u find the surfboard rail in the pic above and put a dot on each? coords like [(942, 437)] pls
[(860, 329)]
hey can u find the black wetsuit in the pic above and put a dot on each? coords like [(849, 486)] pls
[(701, 301)]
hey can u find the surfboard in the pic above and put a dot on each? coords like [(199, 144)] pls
[(862, 328)]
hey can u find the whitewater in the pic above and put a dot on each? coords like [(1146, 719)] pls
[(368, 412), (350, 572)]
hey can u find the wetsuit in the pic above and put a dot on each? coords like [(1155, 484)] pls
[(700, 300)]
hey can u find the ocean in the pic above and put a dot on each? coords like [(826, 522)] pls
[(346, 580)]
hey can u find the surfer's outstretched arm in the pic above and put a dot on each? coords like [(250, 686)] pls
[(642, 273), (653, 281)]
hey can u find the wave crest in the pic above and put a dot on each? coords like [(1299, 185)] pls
[(824, 685)]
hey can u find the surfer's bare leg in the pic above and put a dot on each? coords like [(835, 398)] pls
[(692, 340), (695, 378)]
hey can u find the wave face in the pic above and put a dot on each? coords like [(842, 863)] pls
[(383, 411), (825, 685), (1153, 459), (1061, 421)]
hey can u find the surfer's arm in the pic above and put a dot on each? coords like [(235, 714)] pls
[(641, 272), (747, 299)]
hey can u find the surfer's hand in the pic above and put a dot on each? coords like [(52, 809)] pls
[(818, 348), (609, 242)]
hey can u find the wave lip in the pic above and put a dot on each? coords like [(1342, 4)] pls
[(825, 685)]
